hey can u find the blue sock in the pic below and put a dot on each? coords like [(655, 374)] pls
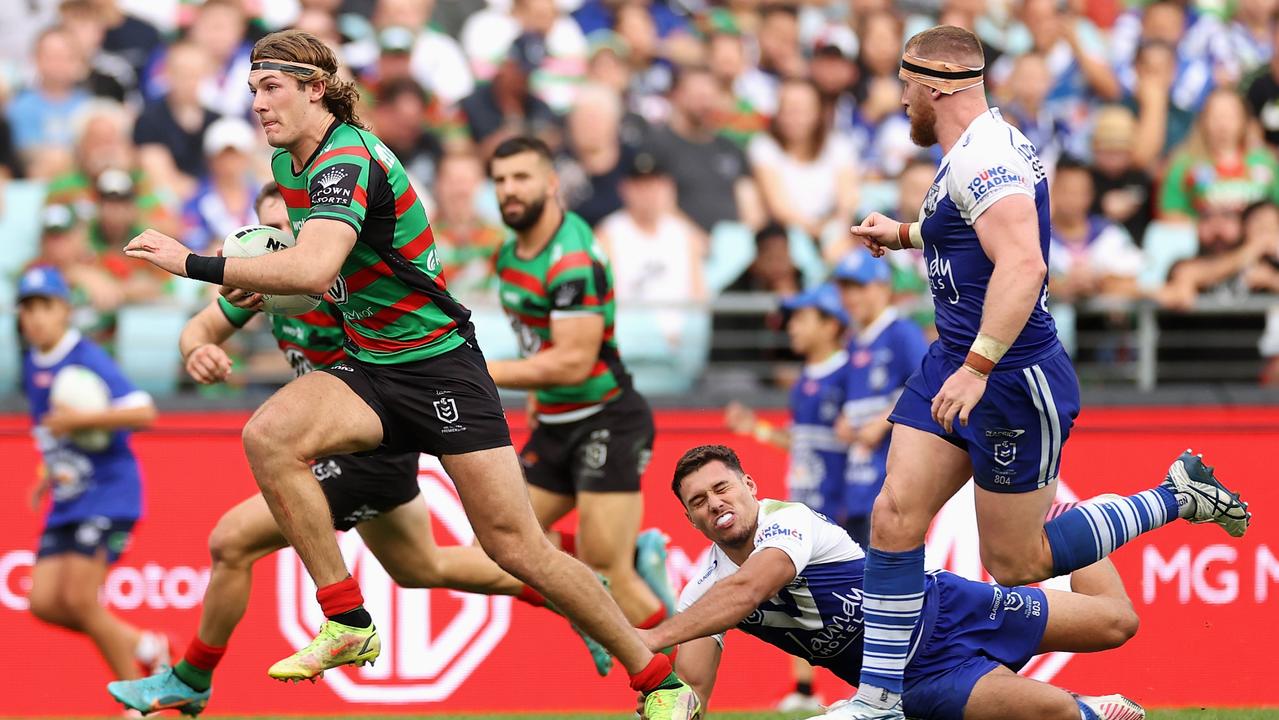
[(1085, 712), (892, 598), (1082, 536)]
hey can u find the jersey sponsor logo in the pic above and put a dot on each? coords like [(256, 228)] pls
[(336, 185), (569, 294), (941, 278), (991, 178), (298, 361), (446, 410), (776, 530), (432, 640)]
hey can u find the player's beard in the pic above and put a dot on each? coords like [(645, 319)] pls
[(523, 220), (923, 124)]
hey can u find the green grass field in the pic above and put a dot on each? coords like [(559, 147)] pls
[(1191, 714)]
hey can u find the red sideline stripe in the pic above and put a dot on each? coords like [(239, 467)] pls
[(408, 304), (387, 345), (575, 259), (523, 280), (295, 198), (558, 408), (360, 195), (365, 277)]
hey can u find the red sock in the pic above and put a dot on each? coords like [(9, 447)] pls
[(568, 543), (654, 620), (203, 657), (531, 596), (339, 597), (657, 670)]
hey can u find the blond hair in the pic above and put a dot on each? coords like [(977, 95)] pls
[(949, 43)]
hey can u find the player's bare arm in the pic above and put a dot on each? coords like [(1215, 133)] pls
[(201, 345), (880, 233), (1009, 235), (573, 352), (310, 267), (63, 421), (727, 603)]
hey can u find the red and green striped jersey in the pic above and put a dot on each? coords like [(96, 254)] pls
[(391, 294), (570, 276), (310, 341)]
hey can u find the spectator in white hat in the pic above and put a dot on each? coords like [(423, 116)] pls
[(224, 199)]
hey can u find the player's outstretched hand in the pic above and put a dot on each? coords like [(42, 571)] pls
[(160, 250), (878, 233), (208, 364), (958, 396), (245, 299)]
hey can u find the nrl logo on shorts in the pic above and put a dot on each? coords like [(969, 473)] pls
[(1005, 452), (595, 454), (446, 410)]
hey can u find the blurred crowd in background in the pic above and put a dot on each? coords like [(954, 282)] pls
[(718, 147)]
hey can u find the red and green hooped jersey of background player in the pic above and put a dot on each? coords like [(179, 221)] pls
[(391, 294), (570, 276), (309, 341)]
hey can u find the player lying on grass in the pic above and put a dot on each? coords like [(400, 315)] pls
[(790, 577)]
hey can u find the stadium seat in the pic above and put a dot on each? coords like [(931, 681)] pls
[(10, 350), (662, 364), (1165, 243), (877, 196), (19, 224), (146, 346), (732, 251), (494, 333), (1065, 317)]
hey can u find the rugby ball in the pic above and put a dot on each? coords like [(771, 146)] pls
[(78, 388), (255, 241)]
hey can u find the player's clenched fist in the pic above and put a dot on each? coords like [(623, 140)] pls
[(160, 250), (208, 364), (878, 233)]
